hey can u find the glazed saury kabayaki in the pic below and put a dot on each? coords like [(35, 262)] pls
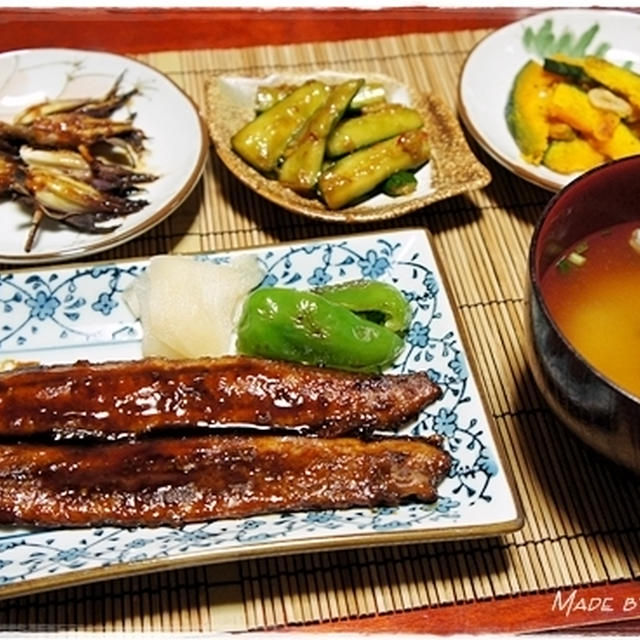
[(171, 481), (127, 399), (176, 441)]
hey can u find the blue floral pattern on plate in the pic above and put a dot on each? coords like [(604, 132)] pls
[(59, 315)]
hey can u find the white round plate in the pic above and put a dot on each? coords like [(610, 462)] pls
[(490, 68), (176, 144)]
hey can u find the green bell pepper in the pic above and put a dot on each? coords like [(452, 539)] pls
[(305, 327), (378, 301)]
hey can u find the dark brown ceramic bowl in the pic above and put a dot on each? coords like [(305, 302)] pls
[(599, 412)]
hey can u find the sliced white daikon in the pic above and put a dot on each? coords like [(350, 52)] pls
[(189, 308)]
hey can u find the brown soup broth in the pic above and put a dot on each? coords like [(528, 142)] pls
[(593, 294)]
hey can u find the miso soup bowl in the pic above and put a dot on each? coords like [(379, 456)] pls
[(594, 408)]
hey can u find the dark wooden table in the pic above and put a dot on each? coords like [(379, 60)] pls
[(143, 30)]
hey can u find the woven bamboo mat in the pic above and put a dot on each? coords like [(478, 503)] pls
[(582, 515)]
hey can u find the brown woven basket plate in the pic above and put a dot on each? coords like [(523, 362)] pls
[(452, 169)]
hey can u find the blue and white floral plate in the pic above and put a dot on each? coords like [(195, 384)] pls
[(488, 73), (63, 314)]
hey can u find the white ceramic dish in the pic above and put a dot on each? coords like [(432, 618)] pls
[(176, 146), (452, 169), (490, 68), (62, 314)]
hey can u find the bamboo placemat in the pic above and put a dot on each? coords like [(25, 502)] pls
[(582, 514)]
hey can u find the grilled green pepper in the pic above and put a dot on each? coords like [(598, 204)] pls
[(305, 327), (378, 301)]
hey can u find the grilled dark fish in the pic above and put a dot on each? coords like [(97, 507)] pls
[(158, 481), (126, 399)]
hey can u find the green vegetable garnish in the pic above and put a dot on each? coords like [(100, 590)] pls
[(574, 258), (401, 183), (378, 301), (307, 327)]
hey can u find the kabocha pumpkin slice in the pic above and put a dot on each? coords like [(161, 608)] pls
[(571, 105), (634, 127), (262, 141), (572, 69), (526, 110), (618, 79), (622, 143), (570, 156), (560, 131), (303, 162)]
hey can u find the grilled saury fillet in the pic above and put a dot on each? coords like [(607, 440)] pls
[(157, 481), (125, 399)]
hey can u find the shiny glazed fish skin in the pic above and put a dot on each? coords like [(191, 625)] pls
[(125, 399), (70, 131), (171, 481)]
